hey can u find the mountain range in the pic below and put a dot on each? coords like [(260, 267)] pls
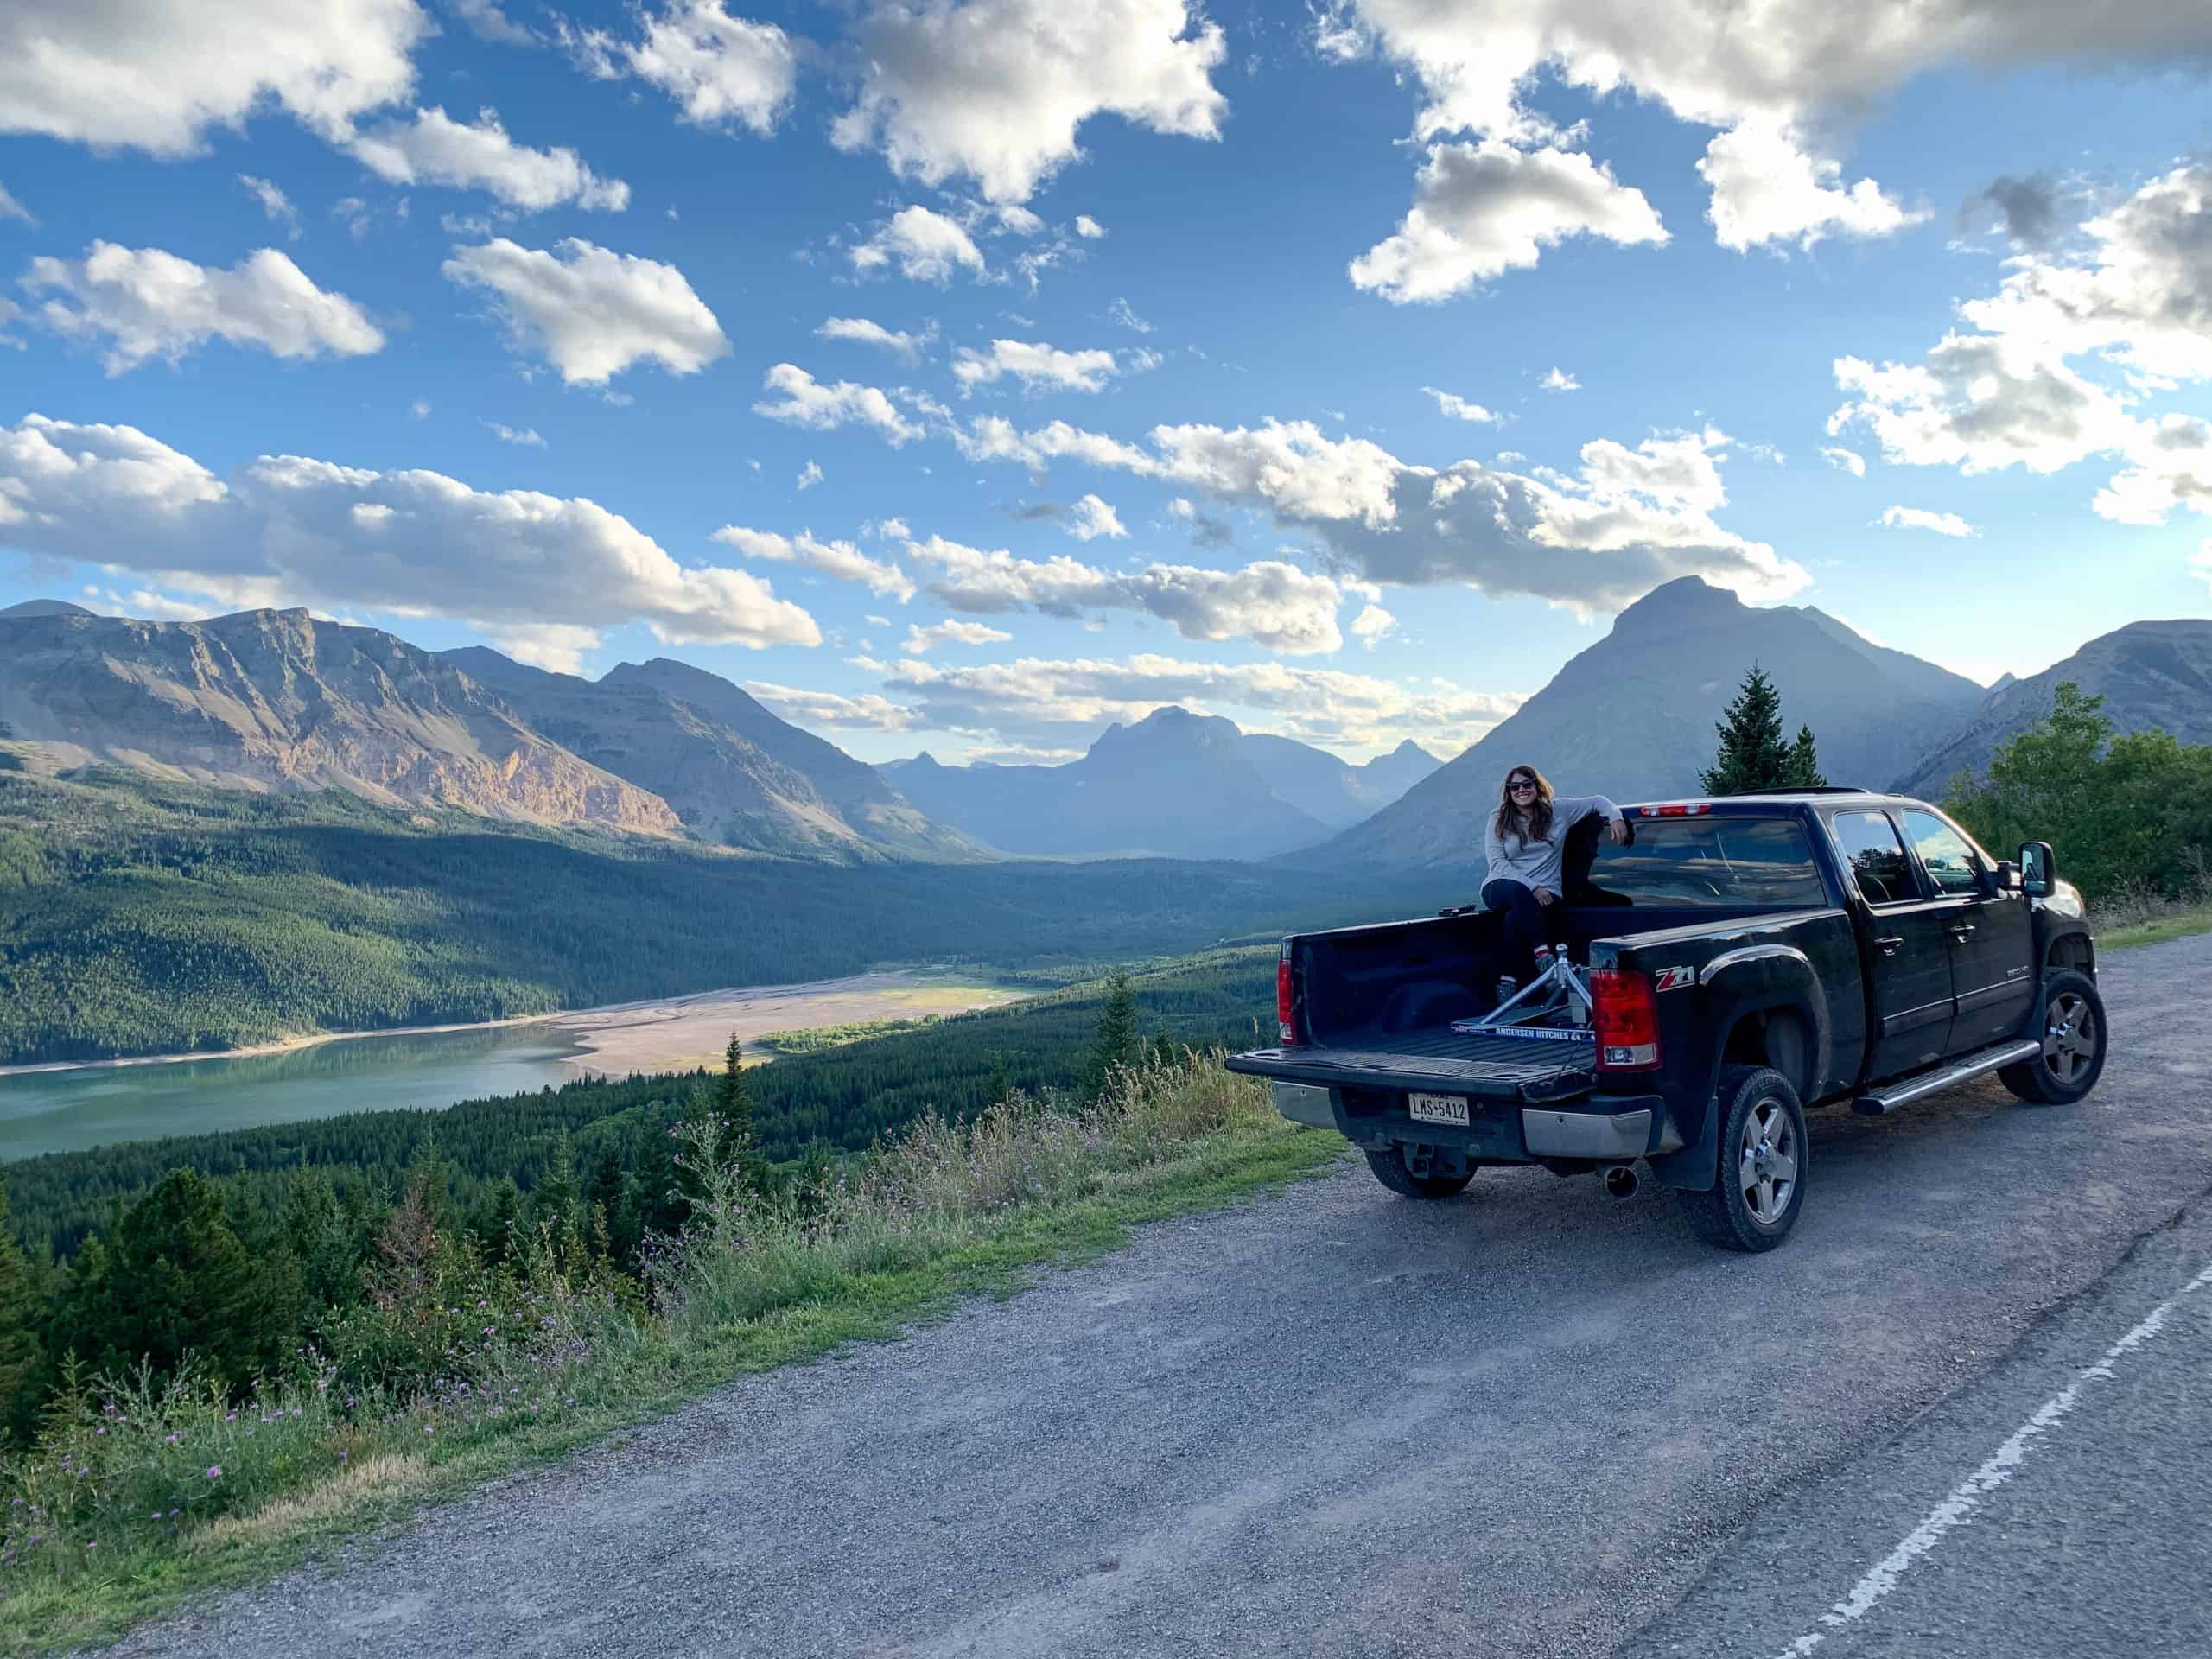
[(1175, 782), (2150, 674), (275, 700), (1633, 716)]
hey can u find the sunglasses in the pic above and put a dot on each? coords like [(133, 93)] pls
[(1520, 783)]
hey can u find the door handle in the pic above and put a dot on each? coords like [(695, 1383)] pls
[(1962, 932), (1890, 946)]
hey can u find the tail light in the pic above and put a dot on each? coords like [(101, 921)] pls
[(1626, 1013), (1286, 1029)]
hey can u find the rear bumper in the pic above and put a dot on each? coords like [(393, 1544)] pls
[(1611, 1128), (1587, 1134)]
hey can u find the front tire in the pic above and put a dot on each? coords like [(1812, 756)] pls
[(1761, 1185), (2073, 1031), (1390, 1169)]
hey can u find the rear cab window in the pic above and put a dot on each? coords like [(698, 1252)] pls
[(1875, 858), (1716, 861)]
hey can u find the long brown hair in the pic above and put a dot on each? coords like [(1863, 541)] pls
[(1508, 821)]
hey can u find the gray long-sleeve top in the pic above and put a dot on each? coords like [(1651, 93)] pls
[(1537, 863)]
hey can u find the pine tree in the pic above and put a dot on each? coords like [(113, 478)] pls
[(1114, 1044), (733, 1095), (22, 1356), (501, 1218), (1753, 756), (173, 1280), (555, 1203), (603, 1199), (1803, 769)]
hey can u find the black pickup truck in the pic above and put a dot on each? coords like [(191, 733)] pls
[(1743, 958)]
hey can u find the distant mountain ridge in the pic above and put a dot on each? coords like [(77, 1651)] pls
[(2150, 674), (1173, 785), (1633, 715), (275, 700), (732, 771)]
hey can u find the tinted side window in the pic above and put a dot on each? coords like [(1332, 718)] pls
[(1871, 847), (1942, 854)]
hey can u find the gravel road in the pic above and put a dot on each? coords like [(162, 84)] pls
[(1529, 1421)]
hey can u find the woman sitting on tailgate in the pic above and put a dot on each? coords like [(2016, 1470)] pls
[(1526, 833)]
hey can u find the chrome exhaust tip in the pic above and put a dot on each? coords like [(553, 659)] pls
[(1621, 1181)]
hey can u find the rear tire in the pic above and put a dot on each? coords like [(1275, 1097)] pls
[(2072, 1026), (1390, 1169), (1762, 1159)]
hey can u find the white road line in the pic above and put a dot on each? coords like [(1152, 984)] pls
[(1958, 1509)]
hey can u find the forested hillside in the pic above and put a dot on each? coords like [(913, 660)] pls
[(806, 1106), (138, 917)]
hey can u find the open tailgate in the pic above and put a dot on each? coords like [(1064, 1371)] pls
[(1490, 1067)]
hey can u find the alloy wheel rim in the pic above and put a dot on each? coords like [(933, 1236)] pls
[(1766, 1161), (2069, 1037)]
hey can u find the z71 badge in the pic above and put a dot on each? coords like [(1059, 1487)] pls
[(1676, 979)]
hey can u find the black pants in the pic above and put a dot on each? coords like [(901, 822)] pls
[(1525, 925)]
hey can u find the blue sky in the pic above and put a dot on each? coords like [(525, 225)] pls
[(301, 324)]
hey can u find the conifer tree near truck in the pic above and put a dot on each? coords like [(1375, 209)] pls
[(1739, 959)]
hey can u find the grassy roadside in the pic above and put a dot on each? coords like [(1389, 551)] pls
[(152, 1493), (2155, 929)]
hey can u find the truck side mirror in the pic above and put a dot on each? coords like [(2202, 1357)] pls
[(2038, 869)]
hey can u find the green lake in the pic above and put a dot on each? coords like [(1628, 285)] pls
[(92, 1106)]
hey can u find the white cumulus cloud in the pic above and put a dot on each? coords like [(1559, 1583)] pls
[(839, 559), (1272, 603), (1037, 366), (151, 303), (1482, 209), (1091, 518), (1943, 524), (1088, 227), (906, 345), (1459, 409), (525, 436), (157, 74), (799, 399), (1847, 461), (1766, 187), (2058, 365), (1772, 76), (719, 69), (434, 148), (869, 712), (1560, 380), (920, 641), (10, 208), (925, 245), (287, 528), (593, 313), (996, 90)]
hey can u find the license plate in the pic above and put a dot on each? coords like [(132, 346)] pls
[(1438, 1108)]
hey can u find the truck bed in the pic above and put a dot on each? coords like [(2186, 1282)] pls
[(1434, 1057)]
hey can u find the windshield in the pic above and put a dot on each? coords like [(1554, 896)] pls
[(1709, 862)]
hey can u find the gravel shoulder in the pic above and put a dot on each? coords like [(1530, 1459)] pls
[(1524, 1422)]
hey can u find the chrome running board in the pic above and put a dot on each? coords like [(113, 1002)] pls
[(1908, 1090)]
